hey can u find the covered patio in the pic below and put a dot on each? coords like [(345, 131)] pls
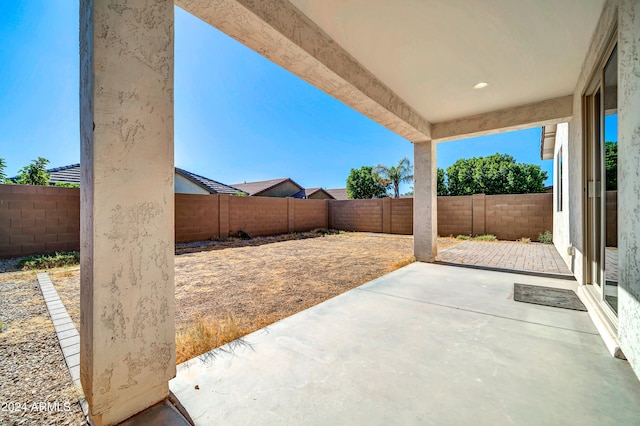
[(428, 343)]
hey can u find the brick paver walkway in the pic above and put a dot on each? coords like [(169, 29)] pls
[(534, 257)]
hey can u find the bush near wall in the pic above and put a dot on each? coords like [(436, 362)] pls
[(41, 219)]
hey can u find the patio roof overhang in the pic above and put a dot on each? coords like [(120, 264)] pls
[(412, 66)]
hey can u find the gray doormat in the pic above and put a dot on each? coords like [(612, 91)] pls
[(547, 296)]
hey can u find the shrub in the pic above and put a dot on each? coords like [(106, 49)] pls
[(524, 240), (463, 237), (486, 237), (47, 261), (545, 237)]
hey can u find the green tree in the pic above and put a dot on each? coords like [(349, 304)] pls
[(494, 174), (361, 183), (611, 164), (442, 186), (35, 173), (394, 175), (3, 176)]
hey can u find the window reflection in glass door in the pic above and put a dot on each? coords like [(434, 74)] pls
[(610, 180)]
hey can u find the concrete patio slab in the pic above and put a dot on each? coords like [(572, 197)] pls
[(427, 344)]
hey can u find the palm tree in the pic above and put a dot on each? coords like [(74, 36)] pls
[(403, 172)]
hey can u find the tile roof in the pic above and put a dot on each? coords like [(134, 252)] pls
[(308, 192), (66, 174), (338, 193), (71, 174), (255, 188), (210, 185)]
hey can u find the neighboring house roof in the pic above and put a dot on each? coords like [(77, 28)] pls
[(71, 174), (308, 192), (258, 187), (338, 193), (66, 174), (210, 185)]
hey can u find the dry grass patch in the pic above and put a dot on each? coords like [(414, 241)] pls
[(227, 290), (203, 335)]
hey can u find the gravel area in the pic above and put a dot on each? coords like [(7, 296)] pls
[(35, 385), (257, 280)]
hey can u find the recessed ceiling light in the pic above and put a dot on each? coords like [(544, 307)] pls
[(481, 85)]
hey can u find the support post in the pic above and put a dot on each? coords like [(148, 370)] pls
[(425, 202), (127, 330)]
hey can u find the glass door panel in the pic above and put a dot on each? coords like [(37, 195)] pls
[(610, 180)]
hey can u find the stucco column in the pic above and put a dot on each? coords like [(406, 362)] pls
[(127, 331), (629, 180), (425, 201)]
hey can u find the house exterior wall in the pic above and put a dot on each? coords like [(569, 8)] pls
[(285, 189), (575, 152), (183, 185), (629, 180), (561, 220), (570, 229), (320, 195)]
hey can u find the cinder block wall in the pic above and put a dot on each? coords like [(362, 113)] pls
[(196, 217), (612, 218), (38, 219), (455, 216), (402, 216), (258, 216), (356, 215), (510, 217), (309, 214)]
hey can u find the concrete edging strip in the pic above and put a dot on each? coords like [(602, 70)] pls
[(65, 330)]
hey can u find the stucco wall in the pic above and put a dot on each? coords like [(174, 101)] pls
[(561, 226), (183, 185), (629, 180), (575, 189)]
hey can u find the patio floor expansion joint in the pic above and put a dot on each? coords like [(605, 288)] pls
[(475, 311)]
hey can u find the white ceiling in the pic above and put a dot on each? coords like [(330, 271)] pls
[(432, 52)]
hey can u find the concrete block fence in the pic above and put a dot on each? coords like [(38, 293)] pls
[(37, 219)]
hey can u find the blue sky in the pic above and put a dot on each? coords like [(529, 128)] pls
[(238, 117)]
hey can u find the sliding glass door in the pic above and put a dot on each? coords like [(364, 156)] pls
[(601, 174)]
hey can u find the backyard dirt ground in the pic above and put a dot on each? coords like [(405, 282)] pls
[(254, 282), (262, 280), (35, 385)]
